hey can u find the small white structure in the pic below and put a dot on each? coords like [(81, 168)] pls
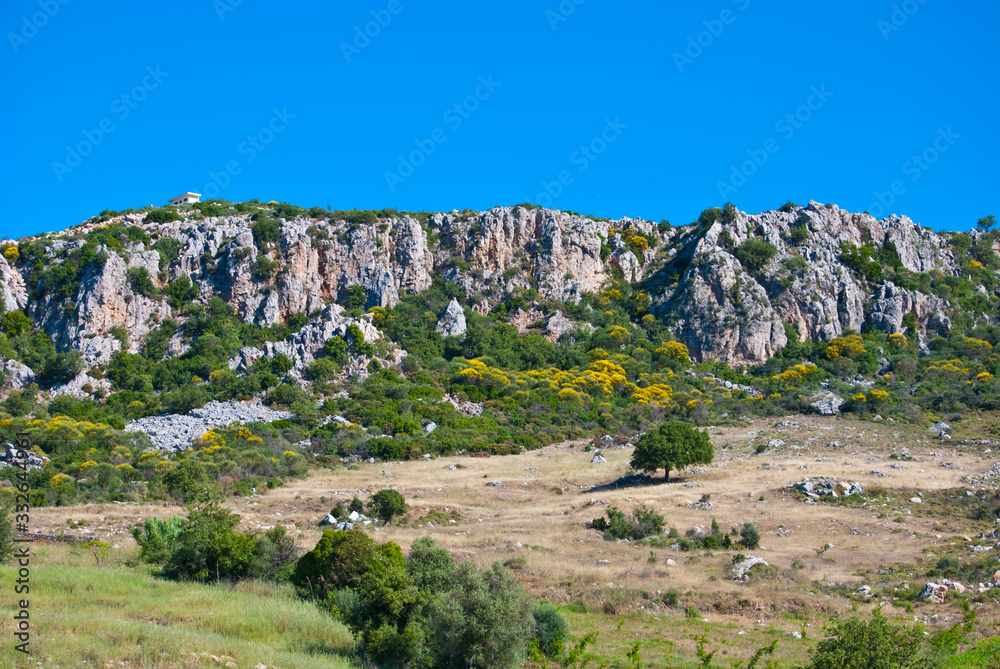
[(185, 199)]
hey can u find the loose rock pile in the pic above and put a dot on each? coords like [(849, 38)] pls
[(175, 432), (823, 486), (9, 455)]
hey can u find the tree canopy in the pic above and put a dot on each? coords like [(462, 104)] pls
[(673, 445)]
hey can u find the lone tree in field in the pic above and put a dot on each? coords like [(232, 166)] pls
[(673, 445), (386, 504)]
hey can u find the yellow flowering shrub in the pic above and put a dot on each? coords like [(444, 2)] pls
[(850, 346), (673, 350), (878, 395)]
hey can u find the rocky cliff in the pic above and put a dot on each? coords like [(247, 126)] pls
[(694, 276)]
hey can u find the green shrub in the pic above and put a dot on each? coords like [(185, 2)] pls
[(181, 291), (337, 561), (162, 216), (265, 231), (853, 643), (157, 538), (430, 566), (484, 622), (750, 536), (186, 480), (550, 629), (754, 254), (285, 396), (644, 522), (207, 549), (386, 504)]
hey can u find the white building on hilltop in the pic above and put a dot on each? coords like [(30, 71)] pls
[(185, 198)]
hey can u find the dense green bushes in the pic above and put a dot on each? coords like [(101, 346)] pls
[(423, 610), (206, 547), (643, 523)]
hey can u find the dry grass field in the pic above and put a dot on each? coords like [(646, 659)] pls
[(537, 523)]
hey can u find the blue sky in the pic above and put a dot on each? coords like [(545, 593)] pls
[(611, 109)]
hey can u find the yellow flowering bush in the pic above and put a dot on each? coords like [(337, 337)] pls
[(673, 350), (849, 346)]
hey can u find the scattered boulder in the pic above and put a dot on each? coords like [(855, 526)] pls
[(598, 459), (18, 375), (940, 428), (452, 320), (827, 404), (741, 570)]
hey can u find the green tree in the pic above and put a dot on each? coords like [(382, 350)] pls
[(484, 622), (386, 504), (430, 566), (185, 480), (357, 297), (386, 592), (337, 561), (986, 223), (853, 643), (550, 629), (208, 548), (673, 445), (750, 535)]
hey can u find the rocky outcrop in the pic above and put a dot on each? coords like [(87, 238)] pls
[(827, 404), (452, 321), (303, 346), (890, 304), (694, 277), (12, 289), (17, 375)]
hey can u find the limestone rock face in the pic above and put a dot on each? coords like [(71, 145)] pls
[(722, 311), (17, 374), (452, 321), (12, 289), (303, 346), (721, 302), (890, 304)]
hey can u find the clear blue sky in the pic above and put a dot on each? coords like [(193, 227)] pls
[(660, 131)]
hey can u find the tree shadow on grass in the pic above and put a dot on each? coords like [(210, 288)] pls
[(639, 480)]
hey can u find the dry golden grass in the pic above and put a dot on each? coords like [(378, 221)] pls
[(539, 521)]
